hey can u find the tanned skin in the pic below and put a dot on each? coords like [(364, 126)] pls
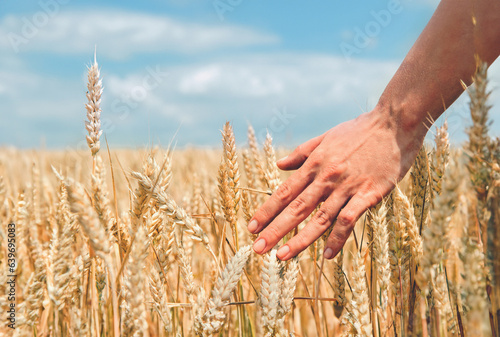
[(354, 165)]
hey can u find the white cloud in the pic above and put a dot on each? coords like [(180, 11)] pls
[(305, 79), (317, 91), (119, 34)]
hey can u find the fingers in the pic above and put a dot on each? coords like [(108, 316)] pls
[(295, 159), (345, 224), (284, 195), (298, 210), (321, 221)]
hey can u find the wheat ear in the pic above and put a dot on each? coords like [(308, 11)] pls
[(420, 187), (100, 199), (186, 272), (93, 106), (63, 253), (231, 159), (256, 157), (141, 194), (272, 172), (270, 293), (176, 213), (133, 308), (286, 300), (360, 301), (98, 237), (339, 285), (410, 222), (436, 235), (36, 289), (381, 256), (160, 300), (213, 319), (439, 158)]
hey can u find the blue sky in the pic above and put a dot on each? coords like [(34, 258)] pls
[(184, 67)]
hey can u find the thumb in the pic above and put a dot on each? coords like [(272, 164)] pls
[(295, 159)]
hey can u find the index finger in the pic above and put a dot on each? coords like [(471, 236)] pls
[(287, 192)]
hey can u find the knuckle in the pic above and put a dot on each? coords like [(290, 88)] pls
[(317, 157), (331, 171), (283, 192), (300, 243), (370, 192), (370, 186), (297, 207), (372, 199), (272, 234), (347, 218), (322, 218), (314, 160), (337, 237), (262, 215), (299, 149)]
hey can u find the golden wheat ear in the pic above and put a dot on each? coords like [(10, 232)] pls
[(93, 107)]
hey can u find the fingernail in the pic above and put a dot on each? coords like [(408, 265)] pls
[(252, 226), (328, 254), (282, 159), (283, 252), (259, 245)]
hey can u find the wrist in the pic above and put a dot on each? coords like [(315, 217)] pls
[(400, 118)]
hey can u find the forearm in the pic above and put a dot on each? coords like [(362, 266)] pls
[(428, 80)]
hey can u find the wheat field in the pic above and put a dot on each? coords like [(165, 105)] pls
[(153, 242)]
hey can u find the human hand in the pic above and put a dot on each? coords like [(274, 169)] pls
[(350, 168)]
